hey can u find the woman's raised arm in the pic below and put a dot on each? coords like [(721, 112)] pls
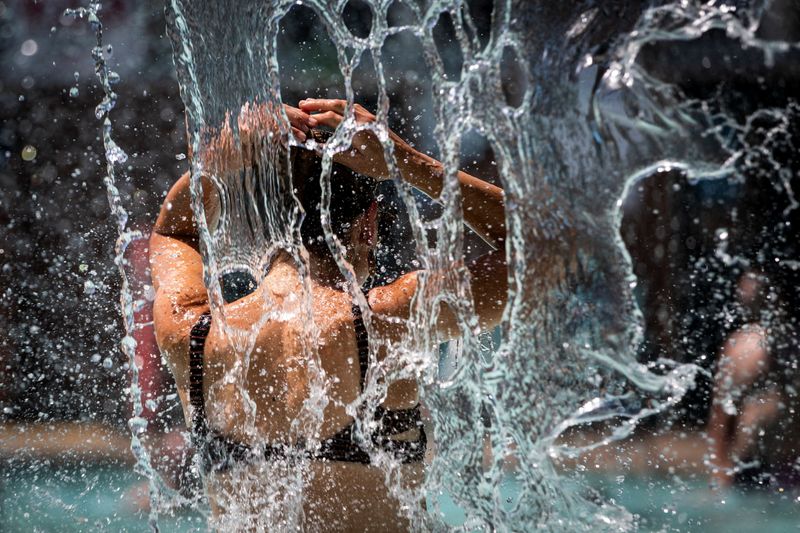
[(482, 204)]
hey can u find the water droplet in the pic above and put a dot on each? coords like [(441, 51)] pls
[(180, 157), (29, 153), (29, 48), (137, 424), (115, 154), (73, 92), (128, 344), (107, 363), (89, 287)]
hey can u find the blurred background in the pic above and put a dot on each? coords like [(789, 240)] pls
[(716, 261)]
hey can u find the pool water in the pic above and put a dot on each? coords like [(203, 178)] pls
[(680, 504), (46, 496)]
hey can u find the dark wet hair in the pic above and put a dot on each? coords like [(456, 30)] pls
[(351, 195)]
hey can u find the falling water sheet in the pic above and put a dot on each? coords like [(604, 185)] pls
[(589, 122)]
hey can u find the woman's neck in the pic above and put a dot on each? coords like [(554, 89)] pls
[(324, 271)]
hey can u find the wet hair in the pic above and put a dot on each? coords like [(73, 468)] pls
[(351, 196)]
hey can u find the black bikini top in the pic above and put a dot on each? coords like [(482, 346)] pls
[(219, 453)]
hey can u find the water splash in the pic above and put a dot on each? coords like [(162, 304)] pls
[(566, 156), (116, 156)]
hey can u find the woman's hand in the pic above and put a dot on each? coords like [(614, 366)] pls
[(365, 154), (300, 121), (256, 122)]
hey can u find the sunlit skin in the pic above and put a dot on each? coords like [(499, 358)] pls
[(277, 376), (743, 360)]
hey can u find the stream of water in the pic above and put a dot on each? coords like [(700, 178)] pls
[(586, 122)]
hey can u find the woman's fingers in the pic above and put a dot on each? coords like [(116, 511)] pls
[(299, 119), (323, 104), (299, 134), (330, 119), (328, 105)]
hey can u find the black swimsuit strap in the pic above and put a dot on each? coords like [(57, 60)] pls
[(397, 421), (343, 446), (197, 344), (362, 342)]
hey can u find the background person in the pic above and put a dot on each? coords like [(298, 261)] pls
[(751, 418)]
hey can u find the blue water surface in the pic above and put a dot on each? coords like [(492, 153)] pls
[(45, 496)]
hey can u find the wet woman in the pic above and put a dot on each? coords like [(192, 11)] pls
[(346, 492)]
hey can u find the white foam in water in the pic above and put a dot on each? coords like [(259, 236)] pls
[(590, 121)]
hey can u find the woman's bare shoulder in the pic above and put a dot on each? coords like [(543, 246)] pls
[(176, 217)]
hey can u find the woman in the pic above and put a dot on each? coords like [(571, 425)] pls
[(346, 492)]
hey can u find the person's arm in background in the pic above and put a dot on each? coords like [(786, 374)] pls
[(482, 204)]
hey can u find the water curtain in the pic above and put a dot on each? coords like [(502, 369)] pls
[(590, 122)]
